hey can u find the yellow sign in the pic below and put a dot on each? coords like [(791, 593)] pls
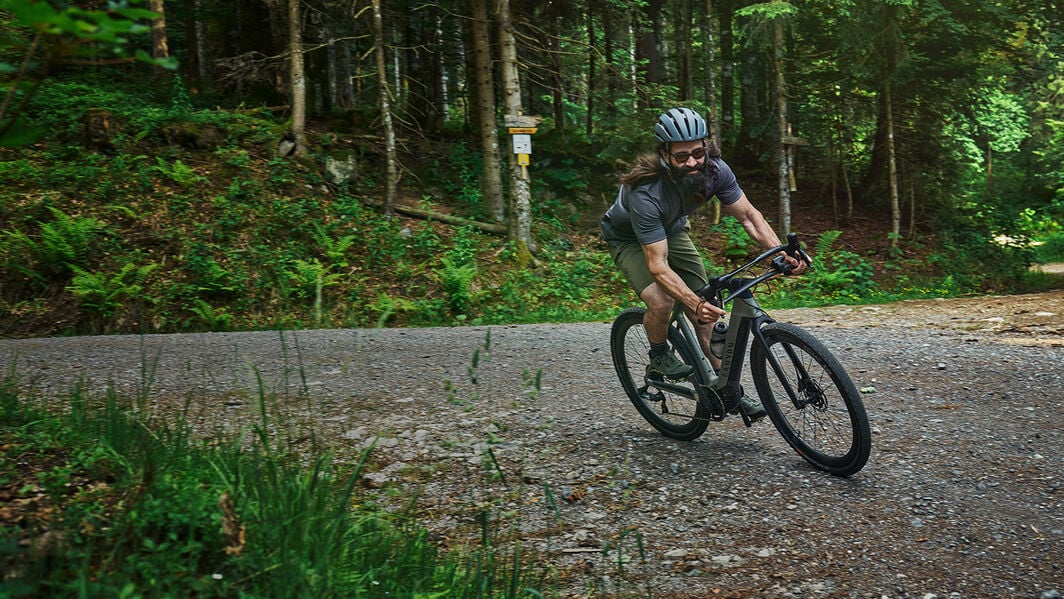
[(522, 159), (520, 130)]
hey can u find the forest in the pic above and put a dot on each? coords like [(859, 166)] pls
[(209, 165), (239, 165)]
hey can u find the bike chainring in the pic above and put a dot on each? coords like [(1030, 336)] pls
[(717, 405)]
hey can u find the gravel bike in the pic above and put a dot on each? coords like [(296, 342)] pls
[(806, 392)]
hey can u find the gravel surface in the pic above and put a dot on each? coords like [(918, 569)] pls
[(962, 496)]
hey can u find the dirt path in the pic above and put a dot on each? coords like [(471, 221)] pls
[(962, 496)]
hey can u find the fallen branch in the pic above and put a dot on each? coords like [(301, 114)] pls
[(495, 228)]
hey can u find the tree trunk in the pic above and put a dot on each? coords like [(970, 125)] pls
[(196, 33), (836, 163), (491, 179), (754, 122), (711, 76), (386, 112), (591, 62), (439, 74), (912, 207), (633, 57), (557, 86), (727, 72), (682, 55), (892, 178), (784, 225), (159, 47), (649, 51), (297, 80), (493, 228), (520, 200), (610, 63), (848, 187)]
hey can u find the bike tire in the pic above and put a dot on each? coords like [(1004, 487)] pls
[(673, 415), (826, 421)]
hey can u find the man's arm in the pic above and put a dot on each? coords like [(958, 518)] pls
[(758, 228), (657, 255)]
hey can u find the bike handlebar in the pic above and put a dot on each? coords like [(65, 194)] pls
[(737, 285)]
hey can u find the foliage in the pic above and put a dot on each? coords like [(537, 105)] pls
[(49, 36), (838, 274), (133, 503), (104, 294), (64, 243), (244, 239), (736, 242)]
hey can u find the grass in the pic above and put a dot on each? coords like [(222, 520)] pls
[(101, 499)]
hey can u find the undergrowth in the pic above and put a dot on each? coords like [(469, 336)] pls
[(187, 221), (107, 500)]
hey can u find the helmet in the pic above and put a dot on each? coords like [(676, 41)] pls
[(679, 124)]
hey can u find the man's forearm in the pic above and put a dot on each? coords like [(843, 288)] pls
[(671, 282)]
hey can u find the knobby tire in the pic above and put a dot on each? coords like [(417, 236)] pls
[(810, 399), (673, 415)]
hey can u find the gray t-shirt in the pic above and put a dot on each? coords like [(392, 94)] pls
[(653, 210)]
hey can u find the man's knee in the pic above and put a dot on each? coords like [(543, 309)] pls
[(656, 299)]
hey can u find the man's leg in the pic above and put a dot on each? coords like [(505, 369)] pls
[(704, 333), (659, 312), (656, 324)]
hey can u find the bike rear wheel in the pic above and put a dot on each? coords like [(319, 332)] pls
[(810, 399), (674, 415)]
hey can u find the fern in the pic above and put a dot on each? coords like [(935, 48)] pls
[(335, 249), (104, 294), (455, 279), (178, 172), (824, 243), (67, 241), (838, 272)]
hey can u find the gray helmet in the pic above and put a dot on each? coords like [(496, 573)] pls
[(680, 124)]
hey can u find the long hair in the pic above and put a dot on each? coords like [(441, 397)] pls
[(649, 166)]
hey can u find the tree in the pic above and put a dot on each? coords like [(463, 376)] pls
[(491, 179), (296, 79), (768, 20), (520, 193), (386, 114), (159, 47)]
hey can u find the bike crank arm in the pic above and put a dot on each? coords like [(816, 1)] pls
[(678, 388)]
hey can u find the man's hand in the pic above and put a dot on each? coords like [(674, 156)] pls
[(797, 266), (707, 312)]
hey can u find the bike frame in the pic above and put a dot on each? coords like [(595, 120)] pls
[(746, 317)]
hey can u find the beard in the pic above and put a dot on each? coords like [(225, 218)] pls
[(689, 184)]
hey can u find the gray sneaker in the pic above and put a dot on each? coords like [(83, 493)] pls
[(670, 366), (752, 408)]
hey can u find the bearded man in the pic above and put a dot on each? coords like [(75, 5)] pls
[(647, 231)]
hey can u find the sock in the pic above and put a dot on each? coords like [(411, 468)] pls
[(656, 349)]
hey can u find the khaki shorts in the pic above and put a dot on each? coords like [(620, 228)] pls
[(684, 258)]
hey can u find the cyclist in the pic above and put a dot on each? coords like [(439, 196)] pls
[(647, 231)]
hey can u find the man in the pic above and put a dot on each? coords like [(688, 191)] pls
[(647, 232)]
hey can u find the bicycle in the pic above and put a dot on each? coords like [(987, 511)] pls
[(806, 392)]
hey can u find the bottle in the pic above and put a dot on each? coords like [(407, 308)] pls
[(716, 340)]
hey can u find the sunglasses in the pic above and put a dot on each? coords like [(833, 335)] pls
[(697, 154)]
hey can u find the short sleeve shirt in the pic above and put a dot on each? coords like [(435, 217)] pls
[(654, 210)]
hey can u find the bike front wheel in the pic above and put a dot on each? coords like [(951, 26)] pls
[(675, 411), (810, 399)]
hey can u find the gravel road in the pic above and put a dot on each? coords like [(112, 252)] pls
[(962, 496)]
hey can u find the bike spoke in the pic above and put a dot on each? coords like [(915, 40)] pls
[(669, 406), (811, 400)]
